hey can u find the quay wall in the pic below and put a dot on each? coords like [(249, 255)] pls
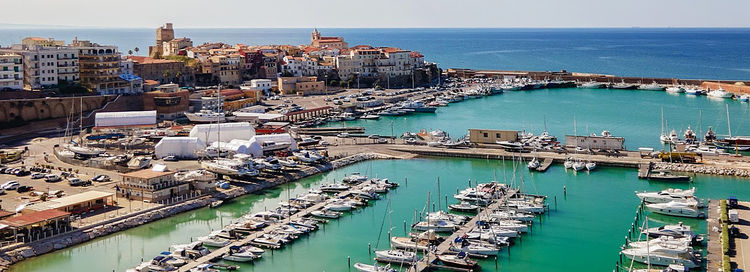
[(565, 75), (19, 252), (703, 169)]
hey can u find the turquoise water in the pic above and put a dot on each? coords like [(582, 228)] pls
[(635, 115), (588, 225)]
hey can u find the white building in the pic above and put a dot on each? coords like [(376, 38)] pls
[(11, 72), (47, 66), (301, 66), (181, 147), (209, 133), (125, 118), (263, 85)]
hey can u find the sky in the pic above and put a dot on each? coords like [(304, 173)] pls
[(378, 14)]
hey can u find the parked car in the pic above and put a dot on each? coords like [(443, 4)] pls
[(170, 158), (10, 185), (37, 175), (101, 178), (22, 173), (374, 136), (52, 178), (24, 188), (78, 182)]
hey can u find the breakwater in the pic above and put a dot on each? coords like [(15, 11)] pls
[(17, 253), (703, 169)]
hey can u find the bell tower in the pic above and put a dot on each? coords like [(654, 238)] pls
[(315, 35)]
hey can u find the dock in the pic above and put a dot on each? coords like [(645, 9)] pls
[(644, 170), (429, 261), (330, 131), (216, 254), (546, 163)]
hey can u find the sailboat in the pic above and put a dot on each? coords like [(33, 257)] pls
[(577, 165), (738, 143), (80, 147)]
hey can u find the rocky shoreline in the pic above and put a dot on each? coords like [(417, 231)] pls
[(20, 253), (702, 169)]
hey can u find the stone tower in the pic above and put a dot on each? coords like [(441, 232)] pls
[(315, 35), (163, 34)]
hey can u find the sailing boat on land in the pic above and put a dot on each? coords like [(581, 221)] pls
[(577, 165), (80, 147)]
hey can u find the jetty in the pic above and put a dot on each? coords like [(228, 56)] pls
[(429, 261), (216, 254)]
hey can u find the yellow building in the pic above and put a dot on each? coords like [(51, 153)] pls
[(301, 85)]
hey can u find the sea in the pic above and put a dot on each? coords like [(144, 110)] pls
[(590, 213), (698, 53)]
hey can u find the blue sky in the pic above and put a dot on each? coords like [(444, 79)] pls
[(380, 13)]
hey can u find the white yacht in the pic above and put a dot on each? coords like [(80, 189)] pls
[(243, 253), (435, 225), (651, 87), (213, 240), (373, 268), (665, 241), (513, 215), (591, 85), (678, 230), (396, 255), (668, 195), (568, 163), (533, 164), (693, 91), (660, 255), (326, 214), (84, 150), (205, 116), (675, 89), (229, 167), (578, 166), (590, 166), (720, 93), (675, 208), (464, 207)]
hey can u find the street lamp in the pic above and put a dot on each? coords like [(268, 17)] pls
[(326, 85)]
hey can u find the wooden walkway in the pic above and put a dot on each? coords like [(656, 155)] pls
[(444, 247), (546, 163), (644, 170), (218, 253)]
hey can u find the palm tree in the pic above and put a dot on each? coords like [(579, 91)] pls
[(136, 50), (130, 52), (165, 75), (178, 76)]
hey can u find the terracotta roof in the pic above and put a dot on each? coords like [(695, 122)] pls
[(148, 60), (147, 174), (4, 213), (415, 54), (150, 82), (34, 218)]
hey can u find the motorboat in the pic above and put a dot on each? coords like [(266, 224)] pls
[(623, 86), (670, 268), (513, 215), (373, 268), (666, 175), (229, 167), (420, 242), (666, 195), (334, 187), (84, 150), (157, 264), (139, 162), (744, 98), (653, 86), (243, 253), (678, 230), (693, 91), (720, 93), (204, 268), (533, 164), (355, 178), (213, 240), (675, 208), (460, 260), (463, 245), (441, 215), (590, 166), (664, 256), (371, 117), (578, 166), (435, 225), (493, 235), (675, 89), (510, 145), (287, 163), (326, 214), (568, 163), (666, 241), (205, 116), (591, 85), (396, 256), (464, 207)]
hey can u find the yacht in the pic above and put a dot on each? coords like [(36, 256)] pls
[(591, 85), (578, 166), (205, 116), (467, 246), (744, 98), (334, 187), (243, 253), (568, 163), (720, 93), (84, 150), (213, 240), (157, 264), (326, 214), (396, 256), (623, 86), (667, 195), (678, 230), (355, 178), (371, 117), (675, 89), (435, 225), (139, 162), (229, 167), (590, 166), (420, 242), (373, 268), (270, 146), (675, 208), (460, 260), (464, 207), (670, 268), (661, 255), (513, 215), (533, 164), (666, 241), (651, 87), (693, 91)]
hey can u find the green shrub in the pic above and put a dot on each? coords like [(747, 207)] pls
[(725, 238), (726, 264)]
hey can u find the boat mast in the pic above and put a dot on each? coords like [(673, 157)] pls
[(700, 123), (80, 122), (729, 123), (218, 121)]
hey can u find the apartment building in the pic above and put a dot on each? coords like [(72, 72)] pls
[(11, 72), (99, 67)]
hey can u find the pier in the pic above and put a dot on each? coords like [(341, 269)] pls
[(644, 170), (216, 254), (444, 247)]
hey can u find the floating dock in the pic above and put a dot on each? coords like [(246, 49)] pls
[(430, 260)]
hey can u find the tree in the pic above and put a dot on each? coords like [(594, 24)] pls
[(165, 75), (130, 52), (286, 74), (178, 76), (136, 50)]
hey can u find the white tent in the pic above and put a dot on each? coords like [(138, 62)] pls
[(253, 147), (125, 118), (231, 147), (182, 147), (277, 138), (209, 133)]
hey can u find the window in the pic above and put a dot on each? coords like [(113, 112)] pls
[(485, 135), (497, 135)]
